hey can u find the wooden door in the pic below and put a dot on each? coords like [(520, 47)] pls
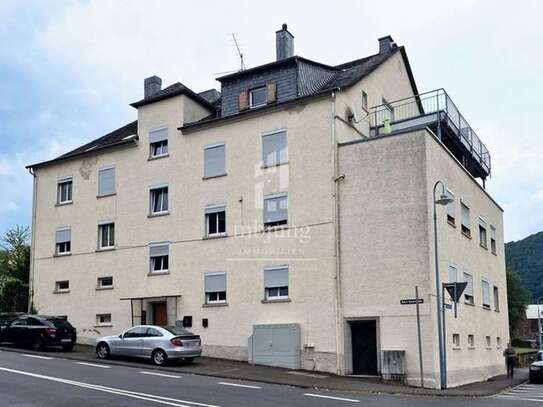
[(160, 314)]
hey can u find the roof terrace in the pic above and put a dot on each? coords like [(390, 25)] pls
[(435, 110)]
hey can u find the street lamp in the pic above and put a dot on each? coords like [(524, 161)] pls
[(444, 199), (540, 332)]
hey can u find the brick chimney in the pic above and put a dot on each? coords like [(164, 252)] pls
[(151, 85), (284, 43), (386, 44)]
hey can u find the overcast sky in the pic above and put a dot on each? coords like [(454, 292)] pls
[(68, 71)]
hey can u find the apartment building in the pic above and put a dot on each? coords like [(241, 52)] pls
[(283, 219)]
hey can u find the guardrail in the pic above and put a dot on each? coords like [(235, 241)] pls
[(436, 101)]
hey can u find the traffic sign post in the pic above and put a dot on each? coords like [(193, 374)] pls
[(417, 301)]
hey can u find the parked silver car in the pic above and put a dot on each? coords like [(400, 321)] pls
[(160, 344)]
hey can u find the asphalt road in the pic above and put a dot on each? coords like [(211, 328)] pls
[(31, 380)]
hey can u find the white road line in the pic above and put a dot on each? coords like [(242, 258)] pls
[(518, 398), (239, 385), (94, 365), (161, 374), (37, 356), (331, 398), (121, 392)]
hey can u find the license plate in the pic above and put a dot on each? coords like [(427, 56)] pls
[(66, 341)]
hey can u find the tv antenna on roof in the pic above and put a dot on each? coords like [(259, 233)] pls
[(242, 64)]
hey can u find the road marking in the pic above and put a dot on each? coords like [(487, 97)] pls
[(523, 392), (94, 365), (161, 374), (239, 385), (331, 398), (37, 356), (121, 392), (518, 398)]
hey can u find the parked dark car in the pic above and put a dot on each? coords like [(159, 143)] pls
[(39, 331), (536, 372), (6, 318)]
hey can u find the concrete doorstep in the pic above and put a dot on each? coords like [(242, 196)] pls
[(305, 379)]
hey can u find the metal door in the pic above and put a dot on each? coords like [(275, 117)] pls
[(277, 345), (364, 347)]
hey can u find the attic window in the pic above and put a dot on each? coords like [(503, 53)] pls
[(258, 97)]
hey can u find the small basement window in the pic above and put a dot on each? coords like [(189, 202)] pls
[(456, 340), (62, 286), (105, 282), (471, 341), (103, 319), (258, 97)]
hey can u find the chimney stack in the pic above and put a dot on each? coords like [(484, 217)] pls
[(151, 86), (386, 44), (284, 43)]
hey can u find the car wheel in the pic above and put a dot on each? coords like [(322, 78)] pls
[(102, 350), (159, 357), (37, 344), (68, 348)]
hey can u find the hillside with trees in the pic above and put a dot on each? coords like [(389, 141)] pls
[(525, 258)]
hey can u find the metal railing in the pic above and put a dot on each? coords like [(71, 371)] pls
[(426, 104)]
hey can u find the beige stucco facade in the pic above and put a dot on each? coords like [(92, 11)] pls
[(370, 232)]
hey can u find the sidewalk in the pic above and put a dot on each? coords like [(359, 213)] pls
[(305, 379)]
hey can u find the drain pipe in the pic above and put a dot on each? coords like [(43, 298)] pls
[(32, 242), (335, 181)]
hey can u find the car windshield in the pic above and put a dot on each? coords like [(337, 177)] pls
[(59, 323), (177, 330)]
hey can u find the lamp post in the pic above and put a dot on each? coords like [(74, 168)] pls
[(540, 328), (444, 199)]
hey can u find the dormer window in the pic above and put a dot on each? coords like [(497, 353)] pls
[(258, 97)]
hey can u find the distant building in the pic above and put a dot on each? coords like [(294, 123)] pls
[(529, 327), (283, 219)]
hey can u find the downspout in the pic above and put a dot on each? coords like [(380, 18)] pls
[(32, 242), (337, 253)]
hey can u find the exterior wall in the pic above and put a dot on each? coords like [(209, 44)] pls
[(385, 243), (306, 246), (387, 249), (390, 82), (465, 365), (284, 76)]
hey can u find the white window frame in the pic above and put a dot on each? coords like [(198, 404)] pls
[(62, 290), (101, 226), (208, 300), (466, 229), (163, 143), (100, 170), (211, 147), (152, 191), (58, 245), (258, 88), (278, 297), (216, 220), (483, 231), (99, 321), (449, 270), (279, 162), (471, 341), (153, 259), (456, 340), (100, 284), (493, 244), (64, 181), (268, 225), (451, 209), (466, 292), (496, 297), (485, 283)]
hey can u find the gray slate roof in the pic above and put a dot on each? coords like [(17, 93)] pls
[(320, 80)]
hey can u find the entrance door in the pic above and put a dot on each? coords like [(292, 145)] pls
[(364, 347), (160, 314)]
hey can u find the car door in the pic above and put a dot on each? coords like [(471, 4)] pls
[(15, 331), (151, 341), (132, 341)]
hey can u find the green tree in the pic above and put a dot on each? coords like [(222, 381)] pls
[(517, 300), (14, 269)]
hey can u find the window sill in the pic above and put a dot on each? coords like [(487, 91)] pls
[(471, 304), (214, 176), (467, 235), (274, 228), (158, 273), (62, 254), (494, 253), (496, 310), (211, 305), (106, 195), (104, 288), (61, 291), (486, 307), (64, 203), (451, 224), (471, 347), (105, 249), (215, 236), (483, 246), (103, 326), (489, 348), (157, 157), (264, 166), (457, 348), (158, 214), (279, 300)]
